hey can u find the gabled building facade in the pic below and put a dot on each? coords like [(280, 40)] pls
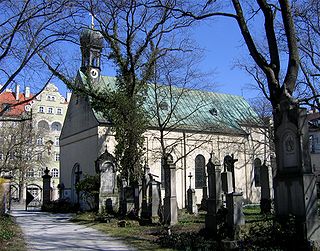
[(35, 127)]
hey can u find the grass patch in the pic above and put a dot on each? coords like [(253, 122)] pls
[(142, 237), (10, 235)]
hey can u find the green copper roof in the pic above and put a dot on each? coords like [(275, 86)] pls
[(190, 109)]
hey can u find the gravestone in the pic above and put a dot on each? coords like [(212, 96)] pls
[(46, 192), (145, 212), (108, 196), (170, 214), (265, 203), (204, 194), (211, 216), (154, 199), (294, 183), (234, 200), (191, 199)]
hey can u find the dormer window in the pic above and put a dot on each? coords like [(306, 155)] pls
[(213, 111), (163, 106)]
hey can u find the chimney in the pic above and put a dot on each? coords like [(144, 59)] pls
[(27, 92), (17, 92), (68, 96)]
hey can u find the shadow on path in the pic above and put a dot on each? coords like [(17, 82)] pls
[(47, 231)]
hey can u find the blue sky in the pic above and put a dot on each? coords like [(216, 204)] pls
[(224, 46)]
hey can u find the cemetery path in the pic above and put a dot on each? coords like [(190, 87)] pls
[(46, 231)]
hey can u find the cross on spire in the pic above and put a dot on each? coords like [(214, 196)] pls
[(92, 20)]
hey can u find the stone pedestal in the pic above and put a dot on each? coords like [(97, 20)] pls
[(170, 199), (108, 194), (154, 200), (294, 182), (265, 203), (192, 205), (235, 214), (46, 192)]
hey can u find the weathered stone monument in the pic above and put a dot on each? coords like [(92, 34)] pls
[(46, 192), (154, 199), (265, 202), (294, 183), (191, 199), (170, 216), (234, 200), (211, 216), (108, 196)]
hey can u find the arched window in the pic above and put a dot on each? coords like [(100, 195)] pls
[(56, 126), (200, 164), (54, 173), (43, 125), (257, 166)]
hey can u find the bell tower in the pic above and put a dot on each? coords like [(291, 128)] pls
[(91, 42)]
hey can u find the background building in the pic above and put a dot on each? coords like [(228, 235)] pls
[(30, 139)]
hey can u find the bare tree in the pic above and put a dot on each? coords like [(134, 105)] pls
[(28, 28), (23, 151), (306, 14), (137, 34)]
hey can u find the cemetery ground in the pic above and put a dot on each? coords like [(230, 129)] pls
[(259, 233)]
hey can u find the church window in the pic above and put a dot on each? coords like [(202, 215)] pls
[(94, 62), (41, 109), (56, 126), (43, 125), (257, 167), (54, 172), (200, 172)]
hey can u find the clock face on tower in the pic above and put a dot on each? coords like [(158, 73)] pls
[(94, 73)]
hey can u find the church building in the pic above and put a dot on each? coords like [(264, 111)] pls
[(202, 124)]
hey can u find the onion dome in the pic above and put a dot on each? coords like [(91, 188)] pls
[(91, 38)]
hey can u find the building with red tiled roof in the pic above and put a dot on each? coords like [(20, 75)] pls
[(16, 100), (46, 112)]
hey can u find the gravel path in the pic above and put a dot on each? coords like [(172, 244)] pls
[(46, 231)]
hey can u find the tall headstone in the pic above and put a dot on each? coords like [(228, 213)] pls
[(265, 203), (46, 192), (108, 196), (154, 199), (191, 199), (234, 200), (211, 216), (170, 216), (294, 183), (145, 213)]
